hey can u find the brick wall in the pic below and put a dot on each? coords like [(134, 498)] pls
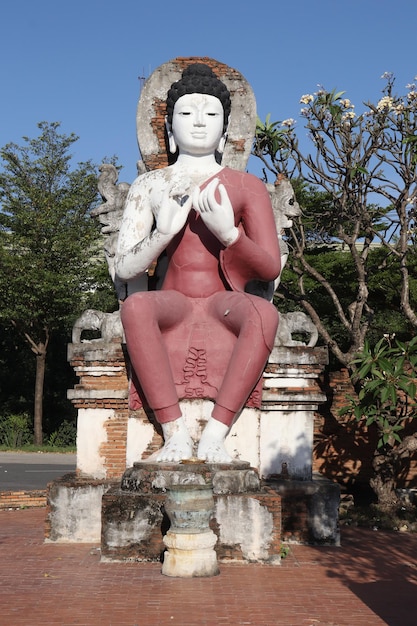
[(22, 499), (103, 384), (343, 448)]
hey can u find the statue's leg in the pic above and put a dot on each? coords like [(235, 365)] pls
[(254, 321), (144, 316)]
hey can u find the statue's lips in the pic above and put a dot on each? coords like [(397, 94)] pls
[(198, 135)]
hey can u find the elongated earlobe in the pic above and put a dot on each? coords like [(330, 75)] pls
[(171, 141), (222, 144), (223, 139)]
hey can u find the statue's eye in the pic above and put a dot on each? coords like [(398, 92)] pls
[(291, 202)]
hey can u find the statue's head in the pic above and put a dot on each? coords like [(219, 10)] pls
[(199, 78), (194, 76)]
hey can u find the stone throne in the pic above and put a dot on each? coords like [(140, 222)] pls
[(115, 430)]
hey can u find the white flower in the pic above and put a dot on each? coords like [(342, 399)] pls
[(412, 95), (399, 108), (349, 115), (306, 99), (385, 103), (288, 122), (346, 103)]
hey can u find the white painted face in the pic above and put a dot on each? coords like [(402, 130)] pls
[(197, 124)]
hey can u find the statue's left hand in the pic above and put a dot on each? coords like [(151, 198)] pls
[(217, 216)]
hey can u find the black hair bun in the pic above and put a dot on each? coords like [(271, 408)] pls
[(198, 69)]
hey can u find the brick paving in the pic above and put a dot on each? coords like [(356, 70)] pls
[(370, 580)]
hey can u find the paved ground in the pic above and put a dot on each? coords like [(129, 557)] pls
[(370, 580), (32, 470)]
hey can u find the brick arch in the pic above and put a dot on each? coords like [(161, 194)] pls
[(151, 110)]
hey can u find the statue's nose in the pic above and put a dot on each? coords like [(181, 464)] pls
[(199, 119)]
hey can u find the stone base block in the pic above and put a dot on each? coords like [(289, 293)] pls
[(246, 519), (74, 509), (310, 510)]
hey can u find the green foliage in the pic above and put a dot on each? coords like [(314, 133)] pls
[(64, 436), (46, 233), (386, 376), (15, 430), (284, 551), (270, 138), (48, 249)]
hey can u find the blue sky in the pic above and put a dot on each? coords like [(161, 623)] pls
[(78, 62)]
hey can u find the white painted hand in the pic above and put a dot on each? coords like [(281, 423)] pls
[(172, 212), (217, 216)]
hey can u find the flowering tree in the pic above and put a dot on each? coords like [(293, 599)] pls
[(362, 173), (365, 167)]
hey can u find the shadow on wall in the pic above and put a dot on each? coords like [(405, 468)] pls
[(289, 456), (344, 448)]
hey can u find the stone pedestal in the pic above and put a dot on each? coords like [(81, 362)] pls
[(190, 541), (276, 440), (279, 434), (246, 519)]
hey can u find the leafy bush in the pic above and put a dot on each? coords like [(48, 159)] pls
[(386, 375), (64, 436), (15, 430)]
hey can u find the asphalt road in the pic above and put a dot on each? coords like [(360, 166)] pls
[(21, 471)]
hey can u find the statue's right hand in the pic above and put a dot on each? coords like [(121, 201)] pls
[(172, 212)]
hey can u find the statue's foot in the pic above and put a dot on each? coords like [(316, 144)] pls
[(211, 447), (178, 443)]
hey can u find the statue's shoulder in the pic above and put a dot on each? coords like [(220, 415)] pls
[(149, 177), (245, 180)]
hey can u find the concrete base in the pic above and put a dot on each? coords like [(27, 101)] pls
[(74, 509), (247, 516), (246, 519), (310, 510)]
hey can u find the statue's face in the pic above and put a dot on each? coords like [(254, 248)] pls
[(197, 124)]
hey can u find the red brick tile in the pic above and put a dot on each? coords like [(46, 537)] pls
[(371, 580)]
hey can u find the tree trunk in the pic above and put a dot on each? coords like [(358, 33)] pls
[(38, 402), (383, 482)]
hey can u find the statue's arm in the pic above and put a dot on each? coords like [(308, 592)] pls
[(153, 199), (138, 243), (255, 254)]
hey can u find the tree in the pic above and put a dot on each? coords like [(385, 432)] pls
[(362, 170), (47, 240), (354, 258)]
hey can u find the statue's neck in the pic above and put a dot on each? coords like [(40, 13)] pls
[(198, 168)]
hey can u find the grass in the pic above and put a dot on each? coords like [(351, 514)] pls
[(44, 448)]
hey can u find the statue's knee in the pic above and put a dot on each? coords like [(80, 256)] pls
[(273, 317), (270, 320), (137, 306), (269, 314)]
